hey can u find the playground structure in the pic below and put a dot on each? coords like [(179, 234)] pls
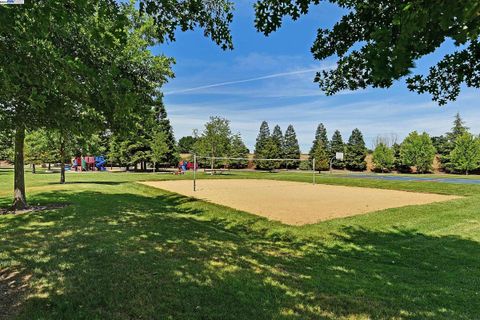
[(184, 166), (89, 163)]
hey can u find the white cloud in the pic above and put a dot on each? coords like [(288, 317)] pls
[(372, 116)]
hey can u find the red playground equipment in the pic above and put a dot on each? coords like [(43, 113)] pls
[(89, 163), (183, 166)]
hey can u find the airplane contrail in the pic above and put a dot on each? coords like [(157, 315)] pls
[(221, 84)]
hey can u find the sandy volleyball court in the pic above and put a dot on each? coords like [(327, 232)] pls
[(296, 203)]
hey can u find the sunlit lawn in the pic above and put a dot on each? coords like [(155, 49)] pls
[(121, 250)]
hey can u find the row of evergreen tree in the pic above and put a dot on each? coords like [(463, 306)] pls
[(151, 140), (323, 150), (458, 150), (277, 146)]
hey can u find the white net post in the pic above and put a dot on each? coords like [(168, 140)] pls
[(194, 172), (314, 172)]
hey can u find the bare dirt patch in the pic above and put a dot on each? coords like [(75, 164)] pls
[(296, 203)]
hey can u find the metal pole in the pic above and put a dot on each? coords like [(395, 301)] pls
[(313, 166), (194, 172)]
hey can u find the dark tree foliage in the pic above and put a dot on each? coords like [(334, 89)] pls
[(57, 70), (320, 136), (213, 17), (337, 145), (397, 162), (6, 146), (458, 130), (441, 144), (262, 138), (277, 137), (291, 149), (185, 144), (164, 125), (132, 147), (269, 151), (356, 152), (71, 65), (238, 149), (321, 156), (378, 42)]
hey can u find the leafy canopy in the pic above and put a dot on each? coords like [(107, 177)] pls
[(465, 157), (417, 150), (383, 157), (378, 42)]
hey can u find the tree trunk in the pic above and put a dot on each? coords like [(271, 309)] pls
[(33, 168), (49, 167), (62, 161), (19, 196), (154, 167)]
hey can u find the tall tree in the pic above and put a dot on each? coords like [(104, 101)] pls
[(39, 148), (458, 129), (291, 149), (238, 149), (441, 145), (159, 148), (417, 150), (320, 137), (171, 156), (214, 141), (269, 151), (277, 137), (321, 156), (262, 138), (263, 135), (185, 144), (337, 145), (356, 151), (397, 163), (383, 157), (465, 157), (378, 42), (76, 58), (62, 70)]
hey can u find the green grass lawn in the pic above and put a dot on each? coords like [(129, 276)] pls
[(121, 250)]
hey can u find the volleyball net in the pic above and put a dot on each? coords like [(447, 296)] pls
[(214, 165)]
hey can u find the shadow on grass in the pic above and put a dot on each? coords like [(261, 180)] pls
[(108, 183), (124, 256)]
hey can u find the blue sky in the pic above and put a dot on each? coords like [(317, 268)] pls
[(271, 78)]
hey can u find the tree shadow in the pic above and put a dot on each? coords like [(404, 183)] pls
[(6, 171), (108, 183), (124, 256)]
